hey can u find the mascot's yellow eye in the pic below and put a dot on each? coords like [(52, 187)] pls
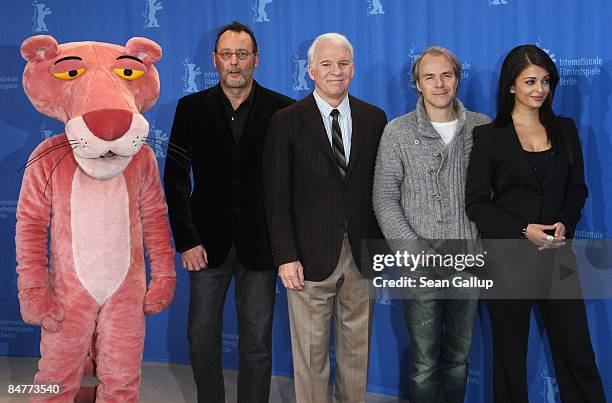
[(70, 74), (129, 74)]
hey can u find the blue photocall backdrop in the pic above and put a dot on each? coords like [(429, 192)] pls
[(387, 36)]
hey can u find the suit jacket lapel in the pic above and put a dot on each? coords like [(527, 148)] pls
[(257, 114), (214, 104), (358, 124), (312, 117), (517, 157)]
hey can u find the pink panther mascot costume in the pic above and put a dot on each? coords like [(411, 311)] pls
[(97, 190)]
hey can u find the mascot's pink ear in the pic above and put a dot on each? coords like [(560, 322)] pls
[(144, 49), (38, 48)]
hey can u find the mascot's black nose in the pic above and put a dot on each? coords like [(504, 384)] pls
[(108, 124)]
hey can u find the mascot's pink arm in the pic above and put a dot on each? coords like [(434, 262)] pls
[(33, 220), (156, 234)]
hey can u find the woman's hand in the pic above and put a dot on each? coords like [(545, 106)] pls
[(560, 231), (535, 233)]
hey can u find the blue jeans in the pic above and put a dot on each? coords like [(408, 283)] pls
[(254, 296), (440, 339)]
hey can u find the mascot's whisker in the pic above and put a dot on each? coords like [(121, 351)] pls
[(170, 155), (59, 144), (159, 144), (46, 152), (170, 146), (166, 142), (56, 165)]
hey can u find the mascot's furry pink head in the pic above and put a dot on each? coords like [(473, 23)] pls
[(99, 91)]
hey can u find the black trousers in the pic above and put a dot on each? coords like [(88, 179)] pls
[(254, 295), (568, 334)]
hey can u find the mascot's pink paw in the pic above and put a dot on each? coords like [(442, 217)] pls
[(39, 307), (160, 294)]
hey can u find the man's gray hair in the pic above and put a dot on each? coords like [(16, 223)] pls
[(436, 51), (334, 37)]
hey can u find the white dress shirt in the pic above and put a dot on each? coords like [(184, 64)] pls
[(344, 119)]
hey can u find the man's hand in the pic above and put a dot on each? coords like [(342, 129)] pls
[(292, 275), (431, 252), (195, 259)]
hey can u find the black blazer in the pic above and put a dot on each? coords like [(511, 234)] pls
[(226, 205), (308, 205), (502, 193)]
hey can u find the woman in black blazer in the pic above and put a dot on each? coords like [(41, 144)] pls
[(526, 180)]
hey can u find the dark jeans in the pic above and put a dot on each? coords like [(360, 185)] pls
[(440, 340), (570, 345), (254, 296)]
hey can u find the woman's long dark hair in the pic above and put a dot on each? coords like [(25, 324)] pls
[(515, 62)]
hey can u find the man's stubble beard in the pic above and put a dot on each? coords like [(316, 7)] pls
[(243, 82)]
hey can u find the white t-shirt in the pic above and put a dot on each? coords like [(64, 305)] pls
[(446, 130)]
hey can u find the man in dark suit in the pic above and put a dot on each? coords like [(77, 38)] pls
[(318, 169), (219, 228)]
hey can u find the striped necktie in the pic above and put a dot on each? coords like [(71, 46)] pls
[(337, 144)]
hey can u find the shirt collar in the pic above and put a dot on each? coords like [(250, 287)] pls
[(325, 108), (247, 102)]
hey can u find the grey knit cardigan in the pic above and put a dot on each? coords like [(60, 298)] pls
[(419, 182)]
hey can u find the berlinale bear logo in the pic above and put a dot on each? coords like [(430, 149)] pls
[(153, 6), (40, 12)]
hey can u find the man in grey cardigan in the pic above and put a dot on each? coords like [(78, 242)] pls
[(418, 195)]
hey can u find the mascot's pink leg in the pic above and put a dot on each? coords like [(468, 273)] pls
[(63, 353), (120, 342), (87, 394)]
